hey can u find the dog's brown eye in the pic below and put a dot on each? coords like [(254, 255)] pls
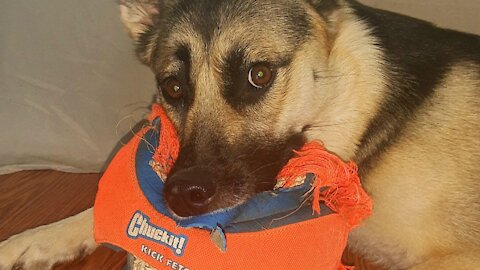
[(260, 75), (173, 88)]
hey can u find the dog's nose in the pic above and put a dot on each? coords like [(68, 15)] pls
[(189, 192)]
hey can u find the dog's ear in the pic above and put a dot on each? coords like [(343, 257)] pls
[(139, 16)]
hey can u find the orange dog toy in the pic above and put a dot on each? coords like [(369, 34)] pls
[(302, 224)]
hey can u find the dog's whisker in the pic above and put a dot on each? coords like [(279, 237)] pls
[(306, 200), (262, 167), (327, 125)]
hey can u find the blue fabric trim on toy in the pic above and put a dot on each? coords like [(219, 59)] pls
[(263, 211)]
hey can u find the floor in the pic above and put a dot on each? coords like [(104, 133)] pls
[(33, 198)]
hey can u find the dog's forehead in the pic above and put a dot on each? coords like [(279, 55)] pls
[(271, 26)]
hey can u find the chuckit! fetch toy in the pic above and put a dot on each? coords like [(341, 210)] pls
[(302, 224)]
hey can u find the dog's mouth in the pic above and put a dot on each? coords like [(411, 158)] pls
[(191, 193), (227, 180)]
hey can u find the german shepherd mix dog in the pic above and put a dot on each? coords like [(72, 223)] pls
[(247, 81)]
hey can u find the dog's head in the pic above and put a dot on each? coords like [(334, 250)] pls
[(244, 82)]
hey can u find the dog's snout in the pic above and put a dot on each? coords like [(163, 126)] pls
[(189, 192)]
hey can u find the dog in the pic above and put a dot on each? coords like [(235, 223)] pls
[(245, 82)]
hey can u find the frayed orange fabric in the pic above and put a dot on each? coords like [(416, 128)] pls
[(168, 145), (121, 210), (336, 183)]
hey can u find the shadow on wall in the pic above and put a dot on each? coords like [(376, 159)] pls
[(68, 76), (462, 15)]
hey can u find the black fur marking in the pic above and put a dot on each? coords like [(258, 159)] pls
[(183, 75), (183, 54), (316, 75), (301, 26), (203, 15), (238, 91), (418, 57), (143, 44)]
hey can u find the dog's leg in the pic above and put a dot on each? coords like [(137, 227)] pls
[(468, 260), (42, 247)]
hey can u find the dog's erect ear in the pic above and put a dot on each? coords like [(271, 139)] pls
[(139, 15)]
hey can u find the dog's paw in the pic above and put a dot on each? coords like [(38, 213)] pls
[(42, 247), (27, 251)]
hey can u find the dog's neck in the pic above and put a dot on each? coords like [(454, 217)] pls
[(355, 79)]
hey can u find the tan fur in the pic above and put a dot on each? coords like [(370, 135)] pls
[(347, 95), (426, 209), (425, 205), (42, 247)]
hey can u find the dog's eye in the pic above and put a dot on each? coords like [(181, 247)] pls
[(260, 75), (172, 87)]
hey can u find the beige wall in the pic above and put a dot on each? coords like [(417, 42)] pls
[(461, 15)]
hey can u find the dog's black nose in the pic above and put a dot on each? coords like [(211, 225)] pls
[(189, 192)]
